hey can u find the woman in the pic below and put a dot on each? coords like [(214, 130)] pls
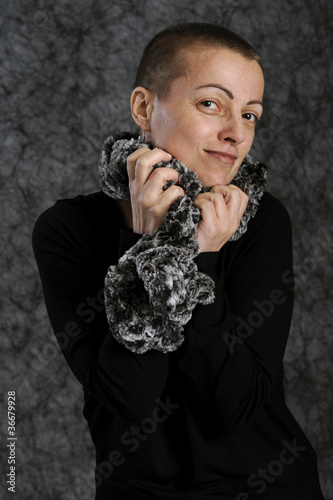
[(199, 412)]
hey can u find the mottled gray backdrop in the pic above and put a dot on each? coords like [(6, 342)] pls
[(66, 72)]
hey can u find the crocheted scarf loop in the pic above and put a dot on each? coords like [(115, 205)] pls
[(151, 293)]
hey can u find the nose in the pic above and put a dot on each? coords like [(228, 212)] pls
[(233, 130)]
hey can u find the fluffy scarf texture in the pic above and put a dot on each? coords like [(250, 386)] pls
[(150, 295)]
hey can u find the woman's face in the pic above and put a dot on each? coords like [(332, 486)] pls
[(208, 120)]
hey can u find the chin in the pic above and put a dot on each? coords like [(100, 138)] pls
[(222, 180)]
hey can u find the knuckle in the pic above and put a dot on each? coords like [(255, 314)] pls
[(170, 172), (136, 154), (200, 196), (131, 158), (177, 190), (204, 202), (165, 171), (140, 162), (159, 172)]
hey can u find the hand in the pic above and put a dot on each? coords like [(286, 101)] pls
[(221, 211), (148, 200)]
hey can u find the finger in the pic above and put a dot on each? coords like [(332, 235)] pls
[(231, 194), (220, 188), (245, 200), (208, 213), (168, 197), (238, 194), (227, 209), (226, 191), (131, 161), (160, 176), (216, 198), (233, 201), (153, 192), (140, 163), (212, 206)]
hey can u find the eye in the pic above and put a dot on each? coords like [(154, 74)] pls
[(209, 104), (251, 117)]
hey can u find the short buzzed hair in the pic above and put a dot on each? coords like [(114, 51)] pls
[(163, 58)]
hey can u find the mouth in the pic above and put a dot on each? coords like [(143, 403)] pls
[(221, 156)]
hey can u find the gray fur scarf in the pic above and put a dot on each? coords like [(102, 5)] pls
[(152, 291)]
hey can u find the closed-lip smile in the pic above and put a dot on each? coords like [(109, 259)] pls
[(222, 156)]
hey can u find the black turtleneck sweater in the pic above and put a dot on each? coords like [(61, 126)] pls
[(208, 421)]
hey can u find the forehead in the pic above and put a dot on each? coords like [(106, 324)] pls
[(207, 64)]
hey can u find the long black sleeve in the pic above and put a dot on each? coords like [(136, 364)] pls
[(240, 339), (73, 249)]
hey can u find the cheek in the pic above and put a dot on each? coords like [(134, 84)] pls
[(247, 144), (162, 126), (244, 149), (191, 136), (177, 136)]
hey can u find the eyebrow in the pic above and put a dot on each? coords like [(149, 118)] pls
[(228, 92)]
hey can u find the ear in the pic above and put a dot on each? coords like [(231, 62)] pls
[(142, 107)]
